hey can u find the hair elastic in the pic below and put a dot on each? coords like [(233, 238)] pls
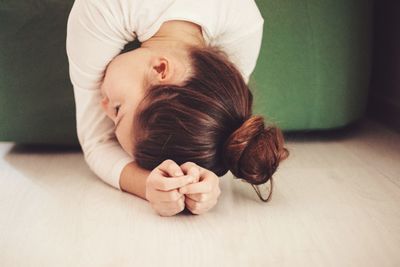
[(258, 187)]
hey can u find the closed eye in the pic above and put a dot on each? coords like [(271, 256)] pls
[(116, 109)]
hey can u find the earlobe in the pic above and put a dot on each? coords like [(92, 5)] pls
[(104, 103)]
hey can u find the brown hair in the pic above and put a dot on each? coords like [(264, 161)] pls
[(208, 120)]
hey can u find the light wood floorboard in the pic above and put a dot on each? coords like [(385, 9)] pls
[(336, 203)]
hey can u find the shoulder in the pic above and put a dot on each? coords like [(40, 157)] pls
[(243, 17)]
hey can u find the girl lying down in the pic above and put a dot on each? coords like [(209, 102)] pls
[(165, 120)]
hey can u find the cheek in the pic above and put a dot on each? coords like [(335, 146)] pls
[(124, 139)]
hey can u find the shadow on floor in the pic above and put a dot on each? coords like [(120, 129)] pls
[(347, 132), (350, 131), (43, 148)]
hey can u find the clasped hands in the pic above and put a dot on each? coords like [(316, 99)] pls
[(170, 188)]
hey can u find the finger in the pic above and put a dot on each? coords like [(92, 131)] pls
[(170, 183), (199, 207), (194, 188), (204, 197), (208, 181), (170, 209), (191, 204), (196, 197), (160, 210), (195, 173), (170, 168), (167, 196), (181, 203), (166, 213), (192, 168), (199, 197), (177, 205)]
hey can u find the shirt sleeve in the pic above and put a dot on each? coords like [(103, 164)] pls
[(243, 41), (96, 33), (245, 51)]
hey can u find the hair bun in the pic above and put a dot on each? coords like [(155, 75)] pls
[(253, 152)]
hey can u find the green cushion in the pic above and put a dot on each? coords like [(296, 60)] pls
[(312, 73), (36, 96), (314, 67)]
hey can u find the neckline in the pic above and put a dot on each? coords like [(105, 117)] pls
[(157, 25)]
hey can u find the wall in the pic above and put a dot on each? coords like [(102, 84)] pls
[(384, 95)]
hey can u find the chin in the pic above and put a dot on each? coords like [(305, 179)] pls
[(129, 151)]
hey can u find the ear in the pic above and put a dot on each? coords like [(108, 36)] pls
[(104, 103), (161, 70), (104, 99)]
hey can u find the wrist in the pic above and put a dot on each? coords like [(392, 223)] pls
[(133, 180)]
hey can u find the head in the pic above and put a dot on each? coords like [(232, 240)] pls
[(207, 120), (203, 115), (129, 76)]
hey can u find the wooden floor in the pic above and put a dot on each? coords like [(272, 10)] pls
[(336, 203)]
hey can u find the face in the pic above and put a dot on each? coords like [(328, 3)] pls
[(126, 79), (122, 90)]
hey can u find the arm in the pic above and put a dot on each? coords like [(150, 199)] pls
[(243, 39), (244, 51), (133, 180), (95, 35)]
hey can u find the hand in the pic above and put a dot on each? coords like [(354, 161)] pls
[(202, 195), (162, 187)]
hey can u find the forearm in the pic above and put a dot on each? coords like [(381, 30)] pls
[(133, 180)]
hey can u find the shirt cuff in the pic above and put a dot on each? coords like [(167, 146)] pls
[(117, 170)]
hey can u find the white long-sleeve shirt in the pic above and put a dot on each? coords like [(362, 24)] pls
[(98, 30)]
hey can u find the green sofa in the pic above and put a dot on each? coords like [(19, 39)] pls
[(312, 73)]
